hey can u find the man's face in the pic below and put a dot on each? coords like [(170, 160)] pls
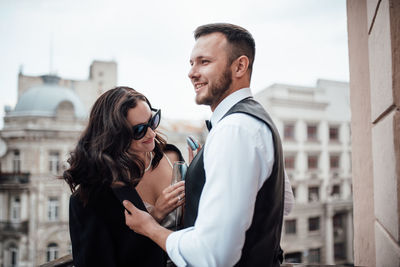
[(209, 73)]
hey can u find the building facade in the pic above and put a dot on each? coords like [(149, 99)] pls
[(38, 135), (314, 124)]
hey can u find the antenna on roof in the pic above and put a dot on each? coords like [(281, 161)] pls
[(51, 55)]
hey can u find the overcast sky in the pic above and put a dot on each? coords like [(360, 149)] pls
[(297, 42)]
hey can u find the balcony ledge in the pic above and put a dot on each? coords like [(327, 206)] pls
[(66, 261)]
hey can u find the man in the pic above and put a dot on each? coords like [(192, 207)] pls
[(235, 185)]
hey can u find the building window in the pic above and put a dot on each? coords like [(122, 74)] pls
[(313, 194), (340, 251), (15, 209), (52, 252), (12, 260), (53, 207), (335, 193), (333, 133), (312, 133), (288, 131), (290, 227), (54, 162), (313, 224), (334, 162), (289, 162), (312, 162), (16, 161), (294, 257), (314, 255), (338, 225)]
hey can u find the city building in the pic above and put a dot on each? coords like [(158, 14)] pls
[(38, 135), (314, 124)]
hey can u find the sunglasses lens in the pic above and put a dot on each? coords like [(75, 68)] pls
[(155, 121), (139, 131)]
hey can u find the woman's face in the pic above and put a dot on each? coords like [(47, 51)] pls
[(138, 115)]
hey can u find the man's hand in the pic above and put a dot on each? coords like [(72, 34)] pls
[(139, 221), (143, 223)]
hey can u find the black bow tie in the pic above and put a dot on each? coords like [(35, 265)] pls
[(209, 125)]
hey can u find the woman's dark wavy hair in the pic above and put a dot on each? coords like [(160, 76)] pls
[(102, 154)]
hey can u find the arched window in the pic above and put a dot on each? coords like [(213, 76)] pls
[(11, 255), (52, 251)]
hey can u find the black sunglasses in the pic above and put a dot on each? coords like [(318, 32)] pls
[(140, 130)]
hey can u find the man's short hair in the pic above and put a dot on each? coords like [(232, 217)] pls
[(241, 41)]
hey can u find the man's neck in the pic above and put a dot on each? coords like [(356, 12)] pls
[(226, 94)]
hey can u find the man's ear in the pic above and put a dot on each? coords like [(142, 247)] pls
[(241, 65)]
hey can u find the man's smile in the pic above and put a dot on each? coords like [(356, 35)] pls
[(199, 86)]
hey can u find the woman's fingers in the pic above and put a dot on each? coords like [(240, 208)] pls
[(191, 155), (173, 187)]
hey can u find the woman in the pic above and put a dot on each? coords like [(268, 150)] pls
[(120, 156)]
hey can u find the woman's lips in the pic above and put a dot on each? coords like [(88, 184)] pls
[(149, 141)]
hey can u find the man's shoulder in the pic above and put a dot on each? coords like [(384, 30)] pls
[(242, 120)]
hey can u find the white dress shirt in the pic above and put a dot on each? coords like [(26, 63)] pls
[(238, 159)]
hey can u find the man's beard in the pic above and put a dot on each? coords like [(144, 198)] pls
[(217, 90)]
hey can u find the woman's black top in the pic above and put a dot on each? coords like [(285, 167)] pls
[(100, 236)]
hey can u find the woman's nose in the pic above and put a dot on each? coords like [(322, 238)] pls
[(150, 132)]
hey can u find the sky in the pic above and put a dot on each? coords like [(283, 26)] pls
[(297, 42)]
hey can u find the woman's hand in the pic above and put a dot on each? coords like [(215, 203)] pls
[(171, 197), (191, 153)]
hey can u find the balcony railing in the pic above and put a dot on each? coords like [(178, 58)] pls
[(11, 228), (14, 178)]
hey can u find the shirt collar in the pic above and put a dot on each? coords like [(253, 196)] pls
[(227, 103)]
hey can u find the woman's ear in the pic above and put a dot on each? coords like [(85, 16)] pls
[(241, 66)]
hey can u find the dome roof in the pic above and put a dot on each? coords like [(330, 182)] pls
[(43, 100)]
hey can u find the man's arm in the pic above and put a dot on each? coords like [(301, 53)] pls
[(143, 223)]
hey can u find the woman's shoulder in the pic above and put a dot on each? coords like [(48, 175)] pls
[(97, 195), (171, 149)]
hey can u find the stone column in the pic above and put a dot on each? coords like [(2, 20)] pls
[(349, 236), (329, 236)]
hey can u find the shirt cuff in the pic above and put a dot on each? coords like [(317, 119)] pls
[(172, 246)]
